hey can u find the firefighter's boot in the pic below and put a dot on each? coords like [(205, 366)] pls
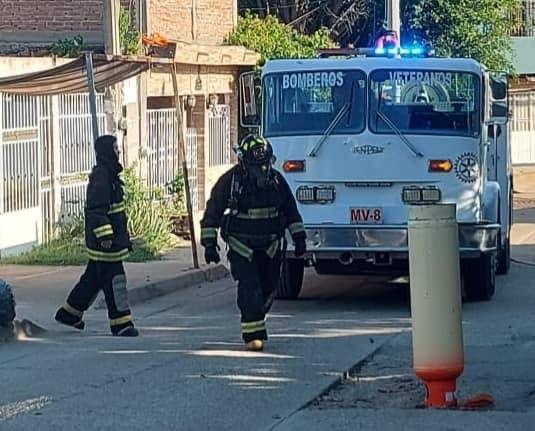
[(70, 318), (129, 331), (255, 345)]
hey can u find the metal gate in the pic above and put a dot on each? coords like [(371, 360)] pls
[(523, 128), (219, 146), (20, 173), (163, 159), (68, 156), (192, 140)]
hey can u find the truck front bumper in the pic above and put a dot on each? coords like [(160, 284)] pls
[(328, 242)]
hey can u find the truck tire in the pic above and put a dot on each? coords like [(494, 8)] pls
[(503, 260), (291, 279), (479, 278)]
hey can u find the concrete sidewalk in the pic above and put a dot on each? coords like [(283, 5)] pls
[(39, 290), (523, 231), (524, 178)]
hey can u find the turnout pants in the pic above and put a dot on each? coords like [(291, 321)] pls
[(257, 282), (111, 279)]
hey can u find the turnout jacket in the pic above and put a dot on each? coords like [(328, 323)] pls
[(105, 217), (250, 218)]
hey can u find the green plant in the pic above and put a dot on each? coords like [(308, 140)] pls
[(274, 39), (148, 220), (70, 47), (476, 29), (128, 36), (177, 190)]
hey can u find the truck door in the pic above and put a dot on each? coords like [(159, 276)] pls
[(498, 162), (499, 165)]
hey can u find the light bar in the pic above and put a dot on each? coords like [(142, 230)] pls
[(417, 51), (409, 51)]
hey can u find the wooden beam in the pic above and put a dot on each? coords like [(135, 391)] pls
[(183, 157)]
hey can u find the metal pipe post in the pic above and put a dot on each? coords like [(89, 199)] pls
[(182, 152), (437, 338), (92, 93), (393, 17)]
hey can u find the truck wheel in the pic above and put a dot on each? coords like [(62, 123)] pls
[(291, 281), (479, 278), (503, 260)]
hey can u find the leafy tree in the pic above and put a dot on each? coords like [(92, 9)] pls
[(273, 39), (478, 29), (343, 18), (464, 28), (129, 38)]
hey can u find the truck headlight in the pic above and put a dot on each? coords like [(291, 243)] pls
[(421, 195), (315, 195)]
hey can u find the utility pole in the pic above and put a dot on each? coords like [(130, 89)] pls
[(393, 18)]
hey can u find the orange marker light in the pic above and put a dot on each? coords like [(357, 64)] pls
[(294, 166), (440, 166)]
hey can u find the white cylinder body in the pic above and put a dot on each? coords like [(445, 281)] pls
[(435, 292)]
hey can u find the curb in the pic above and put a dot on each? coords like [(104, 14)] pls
[(140, 294)]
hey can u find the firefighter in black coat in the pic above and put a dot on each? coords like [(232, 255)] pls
[(252, 206), (108, 244)]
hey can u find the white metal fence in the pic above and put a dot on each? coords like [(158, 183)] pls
[(19, 153), (192, 141), (523, 19), (219, 145), (163, 165), (76, 136), (68, 153), (523, 128), (163, 155), (46, 153)]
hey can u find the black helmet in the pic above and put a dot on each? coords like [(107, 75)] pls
[(255, 150)]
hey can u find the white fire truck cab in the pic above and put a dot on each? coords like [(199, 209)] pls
[(360, 138)]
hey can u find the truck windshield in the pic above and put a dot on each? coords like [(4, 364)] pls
[(425, 102), (306, 103)]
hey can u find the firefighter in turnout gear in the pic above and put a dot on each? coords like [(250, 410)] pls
[(252, 206), (108, 244)]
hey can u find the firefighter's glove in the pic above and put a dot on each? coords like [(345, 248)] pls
[(300, 247), (211, 254)]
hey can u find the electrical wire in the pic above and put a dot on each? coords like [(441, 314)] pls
[(287, 6)]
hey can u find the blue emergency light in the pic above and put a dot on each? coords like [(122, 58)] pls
[(413, 51)]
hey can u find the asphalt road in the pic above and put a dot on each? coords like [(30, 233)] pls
[(189, 370)]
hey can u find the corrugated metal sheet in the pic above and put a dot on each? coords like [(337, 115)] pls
[(72, 77)]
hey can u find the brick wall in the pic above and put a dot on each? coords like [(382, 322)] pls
[(174, 19), (50, 15), (38, 23)]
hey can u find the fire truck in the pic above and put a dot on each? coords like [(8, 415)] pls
[(362, 135)]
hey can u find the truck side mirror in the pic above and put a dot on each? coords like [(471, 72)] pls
[(250, 91), (499, 110), (498, 85)]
